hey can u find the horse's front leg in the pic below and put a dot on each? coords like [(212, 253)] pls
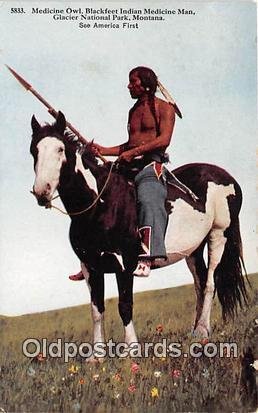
[(125, 307), (95, 282)]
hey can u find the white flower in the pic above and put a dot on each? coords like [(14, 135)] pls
[(31, 371), (255, 364), (205, 373), (76, 407), (157, 374), (53, 389)]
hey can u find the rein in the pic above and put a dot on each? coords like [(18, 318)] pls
[(90, 206)]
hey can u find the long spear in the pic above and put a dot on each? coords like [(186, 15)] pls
[(50, 108)]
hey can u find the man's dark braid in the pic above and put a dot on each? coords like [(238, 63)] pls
[(151, 100)]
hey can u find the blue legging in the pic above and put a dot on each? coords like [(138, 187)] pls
[(151, 196)]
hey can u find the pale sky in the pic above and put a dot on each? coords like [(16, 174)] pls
[(208, 63)]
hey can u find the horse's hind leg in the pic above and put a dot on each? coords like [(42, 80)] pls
[(216, 245), (95, 282), (125, 306), (198, 268)]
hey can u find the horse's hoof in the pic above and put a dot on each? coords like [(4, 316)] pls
[(201, 332), (124, 355), (132, 350), (100, 360), (95, 360)]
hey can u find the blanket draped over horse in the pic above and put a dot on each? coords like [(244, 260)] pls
[(104, 235)]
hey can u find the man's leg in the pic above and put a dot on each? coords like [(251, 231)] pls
[(77, 277), (152, 217)]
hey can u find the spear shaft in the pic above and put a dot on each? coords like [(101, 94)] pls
[(50, 108)]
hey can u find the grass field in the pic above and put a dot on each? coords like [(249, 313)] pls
[(153, 384)]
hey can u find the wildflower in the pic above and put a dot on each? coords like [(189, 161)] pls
[(255, 364), (103, 369), (132, 388), (256, 321), (73, 369), (117, 377), (154, 392), (205, 373), (163, 359), (81, 381), (40, 357), (95, 377), (157, 374), (116, 395), (226, 352), (175, 373), (159, 328), (31, 372), (76, 407), (204, 341), (53, 389), (135, 368)]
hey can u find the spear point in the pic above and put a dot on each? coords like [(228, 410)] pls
[(19, 78)]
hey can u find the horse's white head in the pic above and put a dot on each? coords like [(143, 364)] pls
[(48, 151)]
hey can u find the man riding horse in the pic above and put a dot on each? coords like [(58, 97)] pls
[(150, 127)]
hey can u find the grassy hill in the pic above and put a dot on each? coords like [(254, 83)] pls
[(165, 307), (169, 384)]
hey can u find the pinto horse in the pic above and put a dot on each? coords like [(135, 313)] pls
[(103, 230)]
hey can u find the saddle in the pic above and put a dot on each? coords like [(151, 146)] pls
[(174, 185), (171, 179)]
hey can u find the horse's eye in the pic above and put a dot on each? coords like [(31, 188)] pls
[(60, 150)]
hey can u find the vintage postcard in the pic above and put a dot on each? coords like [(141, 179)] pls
[(129, 158)]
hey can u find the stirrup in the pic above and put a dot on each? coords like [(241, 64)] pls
[(143, 268), (77, 277)]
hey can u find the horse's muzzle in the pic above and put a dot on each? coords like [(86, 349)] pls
[(43, 198)]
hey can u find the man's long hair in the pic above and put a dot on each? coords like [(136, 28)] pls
[(149, 81), (148, 78)]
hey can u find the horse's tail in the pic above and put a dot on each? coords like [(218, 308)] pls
[(229, 278)]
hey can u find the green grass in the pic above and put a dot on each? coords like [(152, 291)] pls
[(204, 384)]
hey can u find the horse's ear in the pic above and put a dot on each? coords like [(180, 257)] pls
[(60, 124), (35, 125)]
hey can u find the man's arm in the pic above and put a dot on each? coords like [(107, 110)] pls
[(167, 121), (111, 150)]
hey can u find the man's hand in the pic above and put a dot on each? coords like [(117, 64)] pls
[(126, 156), (97, 149)]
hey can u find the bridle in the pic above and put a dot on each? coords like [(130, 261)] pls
[(50, 205)]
